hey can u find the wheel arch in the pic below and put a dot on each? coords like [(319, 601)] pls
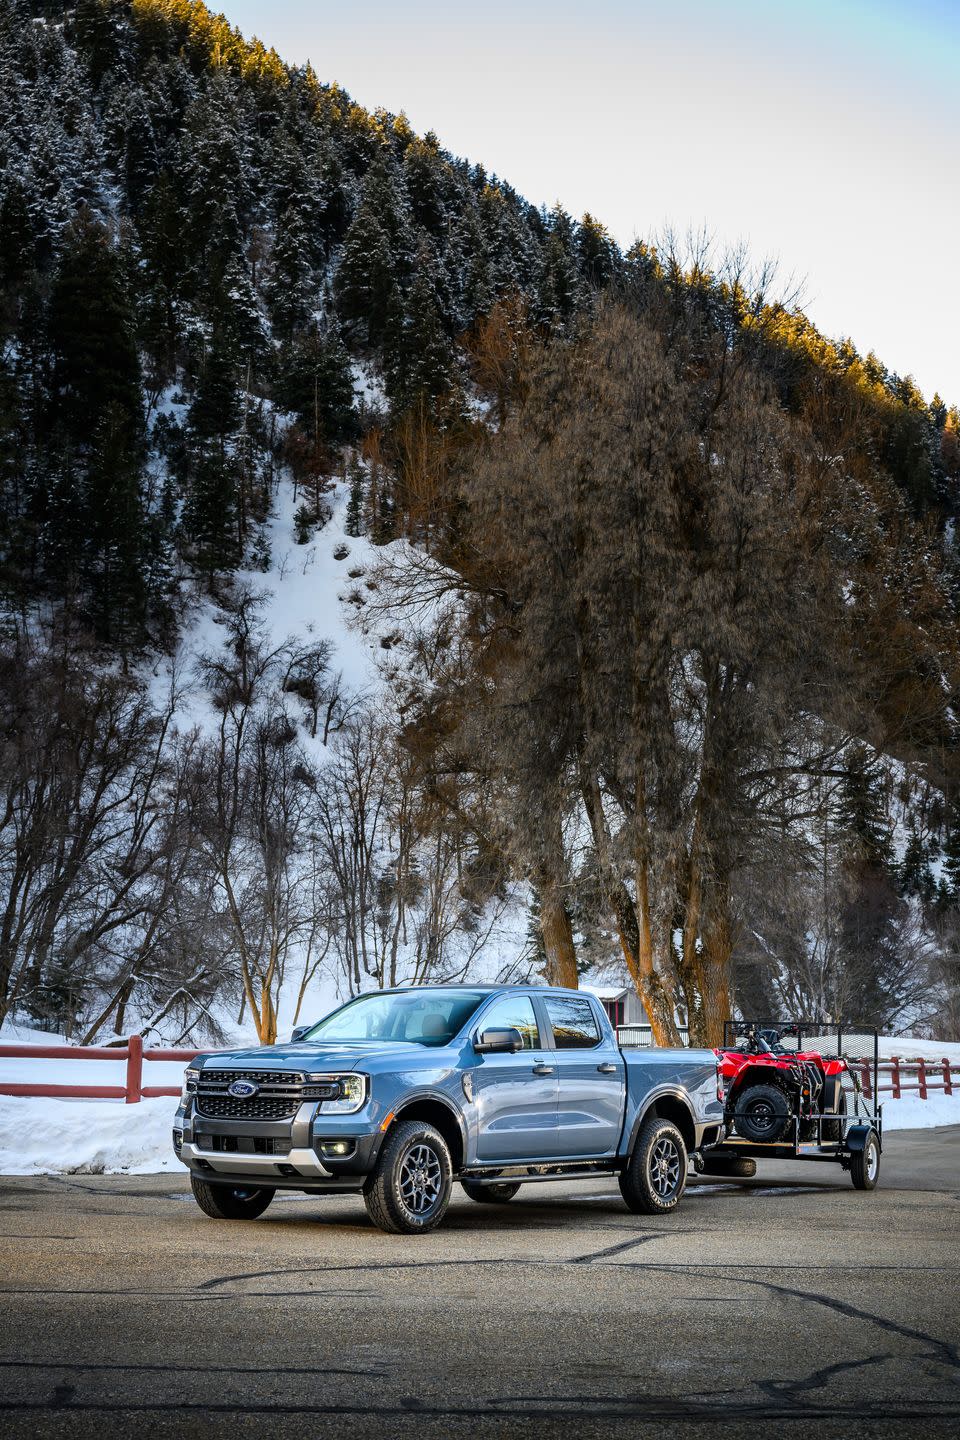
[(432, 1109), (668, 1103)]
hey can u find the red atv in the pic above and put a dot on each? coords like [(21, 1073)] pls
[(767, 1086)]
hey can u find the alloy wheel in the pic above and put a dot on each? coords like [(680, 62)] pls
[(665, 1168), (421, 1179)]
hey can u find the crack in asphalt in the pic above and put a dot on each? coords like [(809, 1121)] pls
[(646, 1407), (817, 1379)]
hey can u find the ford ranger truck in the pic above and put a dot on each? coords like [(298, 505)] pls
[(400, 1093)]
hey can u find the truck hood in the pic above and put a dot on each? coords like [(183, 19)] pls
[(350, 1055)]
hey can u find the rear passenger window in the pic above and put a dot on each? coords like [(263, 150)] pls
[(574, 1023)]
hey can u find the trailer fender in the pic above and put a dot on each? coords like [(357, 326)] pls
[(857, 1136)]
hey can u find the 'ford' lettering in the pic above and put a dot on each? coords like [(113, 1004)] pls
[(242, 1089)]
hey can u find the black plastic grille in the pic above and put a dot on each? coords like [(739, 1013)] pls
[(243, 1145), (258, 1107), (257, 1077)]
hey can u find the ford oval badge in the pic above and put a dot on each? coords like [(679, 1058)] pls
[(242, 1089)]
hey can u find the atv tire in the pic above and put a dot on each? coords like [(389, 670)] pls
[(498, 1194), (739, 1168), (762, 1113), (832, 1130)]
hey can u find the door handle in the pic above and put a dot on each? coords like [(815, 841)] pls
[(607, 1069), (543, 1069)]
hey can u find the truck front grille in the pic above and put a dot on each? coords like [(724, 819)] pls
[(258, 1107), (276, 1079)]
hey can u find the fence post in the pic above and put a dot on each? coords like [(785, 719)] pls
[(947, 1082), (896, 1077), (922, 1071), (134, 1068), (865, 1080)]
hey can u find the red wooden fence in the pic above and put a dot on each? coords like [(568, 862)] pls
[(133, 1052), (918, 1075), (929, 1074)]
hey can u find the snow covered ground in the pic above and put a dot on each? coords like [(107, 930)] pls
[(48, 1136)]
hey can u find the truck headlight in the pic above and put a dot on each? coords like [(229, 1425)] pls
[(189, 1087), (353, 1093)]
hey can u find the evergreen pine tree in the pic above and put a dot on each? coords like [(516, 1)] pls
[(353, 523), (212, 513), (92, 332)]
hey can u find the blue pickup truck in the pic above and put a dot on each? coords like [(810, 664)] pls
[(400, 1093)]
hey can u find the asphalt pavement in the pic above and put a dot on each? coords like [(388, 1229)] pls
[(791, 1301)]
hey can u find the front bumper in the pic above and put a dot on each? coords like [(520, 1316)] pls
[(290, 1151)]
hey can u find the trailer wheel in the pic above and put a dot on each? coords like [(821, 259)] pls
[(489, 1194), (865, 1164), (762, 1113), (656, 1173)]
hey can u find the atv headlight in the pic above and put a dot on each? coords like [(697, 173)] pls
[(352, 1096)]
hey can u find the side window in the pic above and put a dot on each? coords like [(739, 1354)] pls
[(574, 1023), (514, 1012)]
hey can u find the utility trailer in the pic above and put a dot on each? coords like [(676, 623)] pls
[(802, 1090)]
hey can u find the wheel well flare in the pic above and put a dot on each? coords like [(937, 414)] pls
[(442, 1118)]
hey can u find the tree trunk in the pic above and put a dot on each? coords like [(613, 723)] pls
[(557, 937)]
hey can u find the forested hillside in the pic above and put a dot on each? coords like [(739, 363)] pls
[(660, 584)]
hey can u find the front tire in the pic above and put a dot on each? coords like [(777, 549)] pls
[(865, 1164), (656, 1173), (230, 1202), (499, 1194), (409, 1191)]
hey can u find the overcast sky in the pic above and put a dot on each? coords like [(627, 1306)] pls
[(823, 133)]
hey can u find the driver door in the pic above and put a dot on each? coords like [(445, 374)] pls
[(515, 1096)]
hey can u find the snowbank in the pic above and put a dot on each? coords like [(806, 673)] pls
[(912, 1113), (92, 1137), (49, 1137)]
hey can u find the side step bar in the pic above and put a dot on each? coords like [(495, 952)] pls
[(585, 1170)]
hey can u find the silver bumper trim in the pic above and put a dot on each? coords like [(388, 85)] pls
[(304, 1161)]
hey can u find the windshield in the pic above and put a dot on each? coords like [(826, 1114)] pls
[(421, 1017)]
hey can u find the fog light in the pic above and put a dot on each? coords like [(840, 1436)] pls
[(178, 1142), (333, 1148)]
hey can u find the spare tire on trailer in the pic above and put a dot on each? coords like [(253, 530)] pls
[(762, 1113), (739, 1167)]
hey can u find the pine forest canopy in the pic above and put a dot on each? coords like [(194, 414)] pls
[(705, 556)]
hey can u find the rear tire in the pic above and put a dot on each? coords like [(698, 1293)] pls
[(833, 1129), (656, 1172), (409, 1191), (230, 1202), (762, 1113), (489, 1194), (865, 1164)]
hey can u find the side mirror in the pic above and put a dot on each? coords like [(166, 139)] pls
[(298, 1033), (498, 1042)]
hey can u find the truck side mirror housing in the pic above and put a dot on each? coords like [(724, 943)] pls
[(498, 1042), (298, 1032)]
